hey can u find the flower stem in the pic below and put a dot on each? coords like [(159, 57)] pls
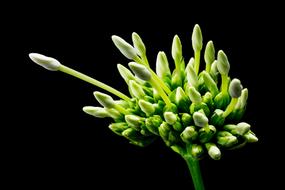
[(194, 168), (230, 107), (197, 62), (97, 83)]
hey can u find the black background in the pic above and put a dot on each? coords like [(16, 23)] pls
[(50, 142)]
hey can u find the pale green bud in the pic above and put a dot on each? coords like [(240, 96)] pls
[(189, 134), (197, 150), (176, 49), (210, 83), (239, 129), (114, 113), (138, 44), (140, 71), (200, 119), (213, 151), (250, 137), (136, 89), (125, 73), (181, 100), (223, 64), (104, 99), (118, 128), (153, 123), (125, 48), (197, 38), (207, 133), (162, 65), (176, 79), (192, 77), (134, 121), (217, 118), (186, 119), (214, 70), (235, 88), (96, 111), (194, 95), (209, 55), (146, 107), (170, 117), (226, 139), (48, 63), (131, 134), (242, 99)]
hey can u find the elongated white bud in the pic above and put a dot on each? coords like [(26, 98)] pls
[(140, 71), (47, 62), (125, 48)]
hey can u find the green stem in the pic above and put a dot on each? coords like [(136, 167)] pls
[(197, 62), (194, 168), (97, 83), (225, 83), (230, 107), (160, 92)]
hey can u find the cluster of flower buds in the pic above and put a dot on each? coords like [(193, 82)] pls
[(194, 112)]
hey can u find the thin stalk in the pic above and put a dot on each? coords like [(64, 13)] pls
[(224, 83), (194, 168), (230, 107), (197, 61), (95, 82), (160, 92)]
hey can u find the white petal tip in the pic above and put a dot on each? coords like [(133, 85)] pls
[(47, 62)]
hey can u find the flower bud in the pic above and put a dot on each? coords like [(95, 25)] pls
[(189, 134), (118, 128), (125, 73), (214, 70), (181, 100), (170, 117), (235, 88), (176, 49), (147, 107), (96, 111), (192, 77), (250, 137), (136, 89), (162, 65), (104, 99), (138, 44), (223, 64), (210, 83), (153, 123), (217, 118), (194, 95), (140, 71), (197, 150), (134, 121), (239, 129), (209, 55), (207, 133), (222, 100), (48, 63), (213, 151), (200, 119), (125, 48), (226, 139), (186, 119), (197, 38)]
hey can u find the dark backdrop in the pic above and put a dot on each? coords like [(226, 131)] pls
[(50, 141)]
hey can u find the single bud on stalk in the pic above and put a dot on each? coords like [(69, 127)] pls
[(170, 117), (176, 50), (223, 64), (197, 38), (138, 44), (250, 137), (118, 128), (194, 95), (192, 77), (189, 134), (96, 111), (136, 89), (124, 47), (48, 63), (146, 107), (239, 129), (200, 119), (104, 99), (235, 88), (209, 55), (140, 71), (226, 139), (125, 73), (162, 65), (213, 151)]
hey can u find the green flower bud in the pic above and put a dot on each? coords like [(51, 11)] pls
[(214, 70), (213, 151), (197, 38), (96, 111), (208, 100), (140, 71), (209, 55), (217, 118), (170, 117), (178, 126), (136, 89), (162, 65), (125, 73), (223, 64), (153, 123), (114, 114), (134, 121), (192, 77), (181, 100), (210, 83), (147, 107), (207, 133), (242, 99), (125, 48), (176, 79), (186, 119), (197, 151), (48, 63), (189, 134), (131, 134), (250, 137), (118, 128), (200, 119), (138, 44), (226, 139), (164, 131), (176, 49), (194, 95), (104, 99), (235, 88), (239, 129), (222, 100), (200, 106)]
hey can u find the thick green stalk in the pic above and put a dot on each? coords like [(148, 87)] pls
[(194, 168)]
